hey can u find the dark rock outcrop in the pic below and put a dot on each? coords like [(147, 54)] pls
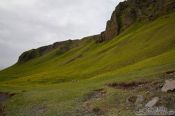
[(130, 11), (62, 47)]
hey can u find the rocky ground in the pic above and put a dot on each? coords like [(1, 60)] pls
[(3, 98), (145, 98)]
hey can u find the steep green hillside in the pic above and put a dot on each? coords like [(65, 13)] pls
[(67, 81), (142, 41)]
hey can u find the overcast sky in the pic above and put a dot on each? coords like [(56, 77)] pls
[(27, 24)]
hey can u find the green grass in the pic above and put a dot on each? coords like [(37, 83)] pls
[(47, 83)]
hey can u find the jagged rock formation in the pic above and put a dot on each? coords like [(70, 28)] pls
[(125, 14), (130, 11)]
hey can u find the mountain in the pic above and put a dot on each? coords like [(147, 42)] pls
[(103, 74), (125, 14)]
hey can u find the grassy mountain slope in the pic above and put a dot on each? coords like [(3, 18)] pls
[(140, 42), (101, 74), (58, 84)]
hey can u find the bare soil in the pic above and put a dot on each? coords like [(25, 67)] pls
[(130, 85)]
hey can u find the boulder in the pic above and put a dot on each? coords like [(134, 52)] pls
[(152, 103), (168, 86)]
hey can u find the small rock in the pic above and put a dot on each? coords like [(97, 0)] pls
[(153, 102), (169, 85), (139, 101), (136, 100)]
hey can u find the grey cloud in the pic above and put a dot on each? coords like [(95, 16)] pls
[(27, 24)]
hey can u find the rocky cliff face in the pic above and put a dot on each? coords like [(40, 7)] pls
[(125, 14), (130, 11)]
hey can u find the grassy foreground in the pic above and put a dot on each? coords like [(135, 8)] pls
[(64, 84)]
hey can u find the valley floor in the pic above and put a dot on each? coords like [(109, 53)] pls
[(110, 96)]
